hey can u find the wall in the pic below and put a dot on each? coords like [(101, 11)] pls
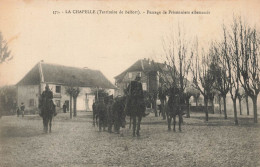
[(127, 79), (29, 95)]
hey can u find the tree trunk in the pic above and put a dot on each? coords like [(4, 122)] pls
[(247, 106), (196, 100), (213, 106), (240, 110), (70, 106), (255, 108), (206, 109), (74, 106), (155, 108), (225, 107), (162, 108), (219, 104), (188, 108), (235, 111)]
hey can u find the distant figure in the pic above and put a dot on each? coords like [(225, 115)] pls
[(22, 109), (64, 107), (18, 111)]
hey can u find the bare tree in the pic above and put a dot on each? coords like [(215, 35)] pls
[(75, 94), (249, 65), (221, 73), (203, 78), (73, 91), (178, 61), (5, 53), (232, 58), (69, 91)]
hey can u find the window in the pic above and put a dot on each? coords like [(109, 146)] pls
[(139, 74), (57, 103), (130, 75), (31, 102), (144, 86), (58, 88)]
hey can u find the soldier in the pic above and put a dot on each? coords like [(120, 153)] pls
[(64, 107), (135, 106), (109, 114), (101, 108), (22, 109), (118, 113)]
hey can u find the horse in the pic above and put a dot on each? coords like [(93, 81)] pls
[(95, 114), (175, 106), (48, 111)]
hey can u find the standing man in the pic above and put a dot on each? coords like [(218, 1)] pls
[(135, 106), (22, 109), (101, 108), (64, 107)]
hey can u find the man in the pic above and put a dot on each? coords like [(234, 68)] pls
[(46, 99), (135, 106), (22, 109), (64, 107), (101, 108)]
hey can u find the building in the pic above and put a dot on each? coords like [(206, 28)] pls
[(59, 77), (147, 69)]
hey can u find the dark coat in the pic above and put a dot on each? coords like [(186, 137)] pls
[(135, 105), (46, 102)]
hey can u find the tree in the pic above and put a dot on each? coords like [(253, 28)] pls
[(8, 96), (69, 91), (232, 58), (190, 91), (221, 83), (75, 94), (249, 65), (178, 61), (203, 77), (73, 91), (5, 53)]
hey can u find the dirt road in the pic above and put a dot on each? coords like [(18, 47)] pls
[(77, 143)]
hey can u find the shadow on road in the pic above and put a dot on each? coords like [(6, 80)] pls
[(12, 132)]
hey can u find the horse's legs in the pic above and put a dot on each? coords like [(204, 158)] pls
[(174, 122), (180, 121), (138, 125), (134, 124), (130, 122), (50, 124), (169, 122), (45, 125), (94, 118), (97, 120), (99, 124)]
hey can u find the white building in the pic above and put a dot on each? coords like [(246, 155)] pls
[(59, 77)]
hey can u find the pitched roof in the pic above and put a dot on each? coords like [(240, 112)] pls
[(144, 65), (64, 75)]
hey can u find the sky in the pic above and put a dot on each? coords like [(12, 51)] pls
[(106, 42)]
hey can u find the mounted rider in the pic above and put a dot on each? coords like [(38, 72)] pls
[(135, 98), (46, 100)]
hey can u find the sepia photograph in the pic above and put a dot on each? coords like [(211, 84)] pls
[(129, 83)]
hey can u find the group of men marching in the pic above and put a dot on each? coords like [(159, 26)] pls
[(113, 111), (109, 112)]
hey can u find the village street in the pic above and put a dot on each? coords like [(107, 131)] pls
[(77, 143)]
